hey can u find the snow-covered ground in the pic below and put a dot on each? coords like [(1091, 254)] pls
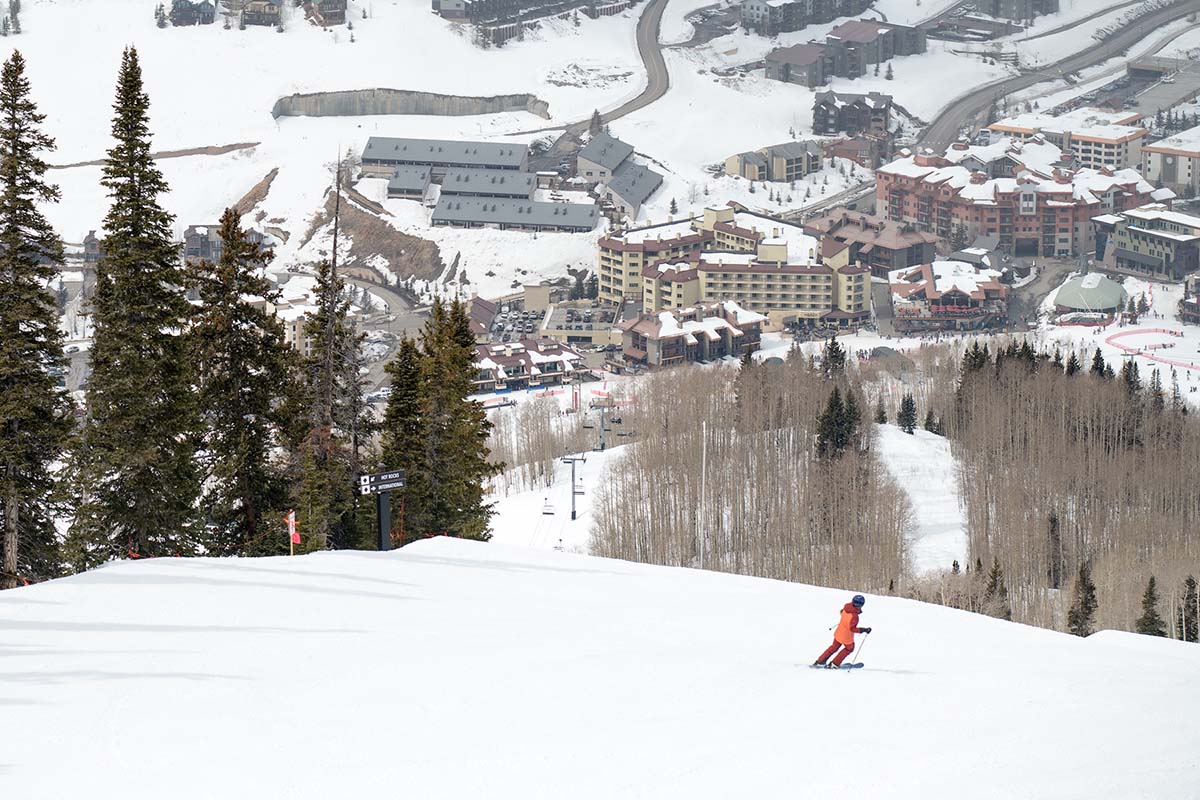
[(1159, 341), (453, 669), (926, 470), (541, 518)]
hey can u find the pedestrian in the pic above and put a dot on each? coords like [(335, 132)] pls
[(843, 637)]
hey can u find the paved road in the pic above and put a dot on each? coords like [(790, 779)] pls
[(965, 110), (658, 79), (400, 320)]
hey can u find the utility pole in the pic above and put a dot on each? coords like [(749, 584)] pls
[(573, 460)]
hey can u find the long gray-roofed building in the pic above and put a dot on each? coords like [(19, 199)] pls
[(383, 154), (600, 157), (630, 186), (409, 183), (509, 214), (489, 183)]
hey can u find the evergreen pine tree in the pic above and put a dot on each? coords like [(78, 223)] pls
[(1098, 365), (403, 438), (1073, 365), (880, 413), (596, 125), (930, 423), (244, 372), (907, 418), (1189, 611), (456, 427), (1082, 613), (1176, 396), (34, 415), (1131, 378), (137, 478), (1158, 400), (674, 207), (833, 359), (852, 419), (995, 596), (1150, 623), (829, 425), (326, 503)]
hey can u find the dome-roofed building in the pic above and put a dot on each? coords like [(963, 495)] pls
[(1092, 293)]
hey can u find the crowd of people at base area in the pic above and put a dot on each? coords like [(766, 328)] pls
[(843, 636)]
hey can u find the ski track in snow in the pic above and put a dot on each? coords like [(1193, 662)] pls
[(925, 468)]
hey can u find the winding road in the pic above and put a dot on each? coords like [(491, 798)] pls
[(658, 79), (962, 111)]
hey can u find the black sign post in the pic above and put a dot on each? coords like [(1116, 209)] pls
[(381, 485)]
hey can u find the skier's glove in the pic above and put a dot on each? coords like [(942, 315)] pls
[(865, 630)]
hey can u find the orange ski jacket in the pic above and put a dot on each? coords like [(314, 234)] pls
[(848, 626)]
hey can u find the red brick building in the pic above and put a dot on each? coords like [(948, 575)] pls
[(1029, 195)]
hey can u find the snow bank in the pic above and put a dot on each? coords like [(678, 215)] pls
[(453, 669)]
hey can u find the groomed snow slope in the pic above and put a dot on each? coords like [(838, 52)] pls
[(926, 470), (454, 670)]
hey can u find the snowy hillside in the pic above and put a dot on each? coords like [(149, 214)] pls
[(454, 669)]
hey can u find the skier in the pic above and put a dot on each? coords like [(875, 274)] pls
[(843, 637)]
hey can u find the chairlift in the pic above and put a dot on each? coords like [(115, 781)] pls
[(547, 508)]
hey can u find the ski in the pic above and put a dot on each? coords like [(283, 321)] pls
[(858, 665)]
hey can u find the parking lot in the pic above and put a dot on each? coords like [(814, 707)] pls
[(514, 323)]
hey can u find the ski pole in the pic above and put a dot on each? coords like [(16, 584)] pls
[(864, 647)]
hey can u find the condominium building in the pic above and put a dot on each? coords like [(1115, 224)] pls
[(383, 154), (623, 183), (1027, 194), (785, 162), (1174, 162), (878, 244), (625, 254), (787, 288), (1151, 240), (849, 51), (770, 17), (841, 112), (768, 281), (525, 364), (703, 332), (1097, 138), (1019, 10)]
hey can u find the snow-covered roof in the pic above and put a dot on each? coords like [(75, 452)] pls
[(931, 281), (1036, 172), (1183, 143), (1090, 123), (1091, 292), (607, 151)]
